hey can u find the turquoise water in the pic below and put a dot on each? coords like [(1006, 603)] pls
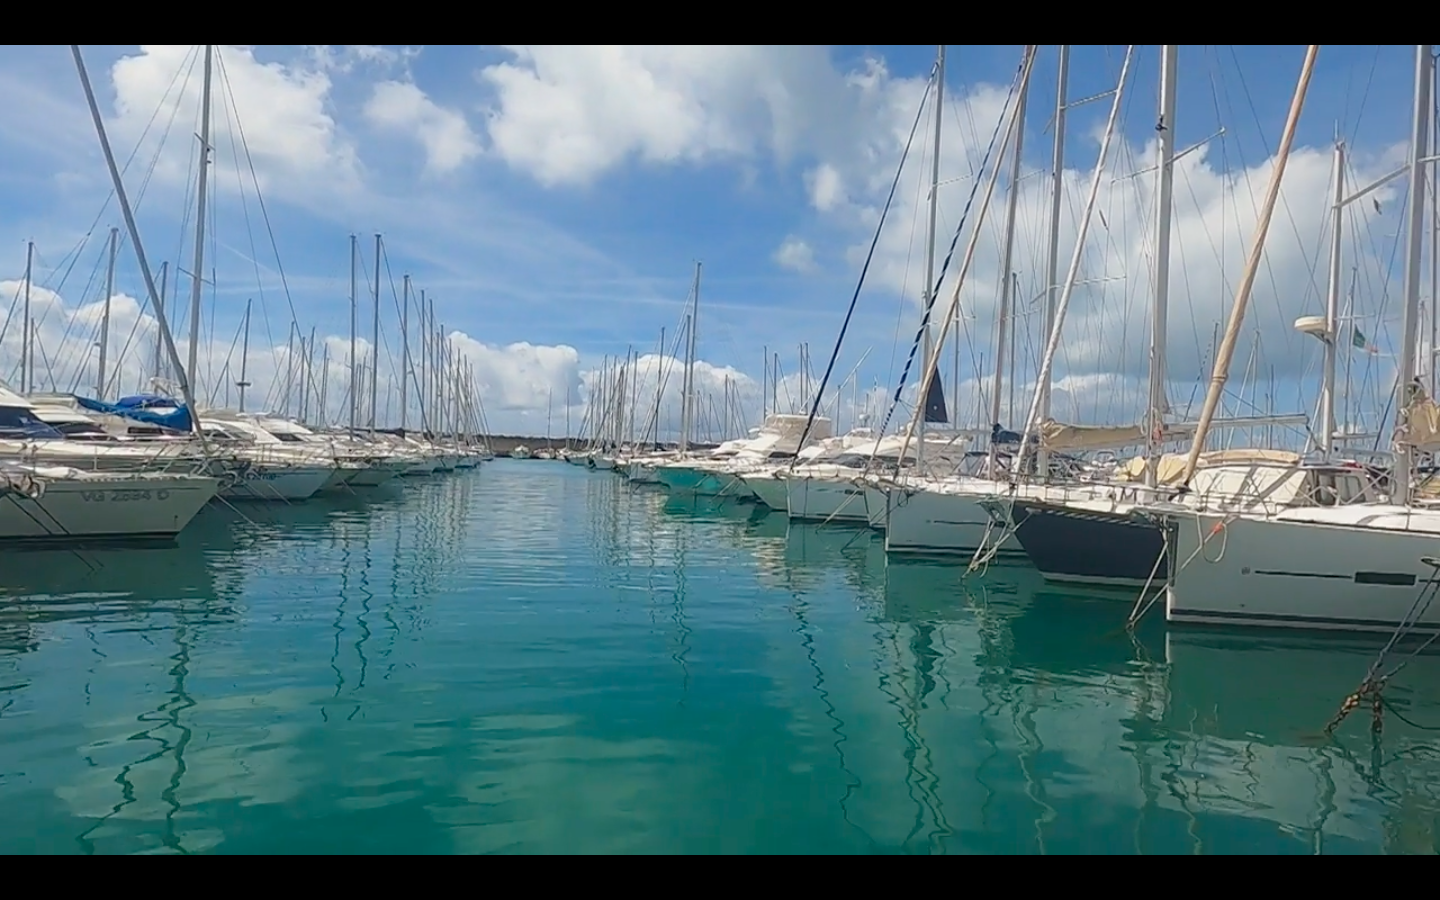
[(534, 658)]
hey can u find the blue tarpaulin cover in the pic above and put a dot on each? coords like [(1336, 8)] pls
[(141, 409)]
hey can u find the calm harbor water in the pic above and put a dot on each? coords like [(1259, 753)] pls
[(533, 658)]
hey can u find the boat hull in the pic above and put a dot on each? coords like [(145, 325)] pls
[(769, 491), (930, 523), (144, 508), (1299, 575), (418, 468), (1075, 545), (827, 500), (298, 483), (373, 475), (680, 478)]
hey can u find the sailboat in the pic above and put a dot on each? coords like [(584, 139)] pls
[(1353, 566), (921, 513), (1087, 534), (47, 502)]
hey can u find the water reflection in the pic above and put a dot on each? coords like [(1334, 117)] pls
[(537, 658), (1209, 732)]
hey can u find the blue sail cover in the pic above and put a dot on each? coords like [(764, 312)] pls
[(141, 409)]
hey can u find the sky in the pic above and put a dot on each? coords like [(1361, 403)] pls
[(553, 202)]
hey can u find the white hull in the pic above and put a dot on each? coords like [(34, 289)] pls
[(770, 491), (154, 506), (934, 523), (828, 500), (338, 479), (641, 473), (373, 476), (298, 483), (420, 467), (1269, 572)]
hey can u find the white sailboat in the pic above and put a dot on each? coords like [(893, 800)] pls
[(56, 504), (1361, 566)]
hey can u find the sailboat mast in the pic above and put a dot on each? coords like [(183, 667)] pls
[(930, 291), (375, 342), (244, 383), (687, 401), (160, 367), (1008, 256), (325, 384), (27, 351), (405, 356), (309, 364), (423, 383), (1159, 319), (354, 381), (764, 382), (1052, 257), (134, 232), (1226, 350), (289, 361), (105, 316), (1415, 235), (201, 195), (1332, 307), (1052, 345)]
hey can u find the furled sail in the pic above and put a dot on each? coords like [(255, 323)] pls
[(1060, 436)]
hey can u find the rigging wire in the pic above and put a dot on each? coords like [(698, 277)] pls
[(870, 255), (934, 291)]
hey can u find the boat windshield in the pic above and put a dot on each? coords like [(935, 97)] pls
[(19, 422)]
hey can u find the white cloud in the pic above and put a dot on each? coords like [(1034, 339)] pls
[(795, 254), (569, 114), (826, 190), (444, 133), (282, 110), (566, 114)]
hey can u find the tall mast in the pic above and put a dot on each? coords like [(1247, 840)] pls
[(687, 402), (375, 342), (159, 312), (1159, 319), (764, 383), (27, 351), (244, 382), (1226, 349), (1052, 345), (325, 384), (134, 232), (1415, 235), (930, 291), (422, 386), (202, 194), (289, 364), (309, 351), (1008, 256), (405, 356), (1052, 258), (105, 316), (437, 394), (1332, 307), (354, 381)]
